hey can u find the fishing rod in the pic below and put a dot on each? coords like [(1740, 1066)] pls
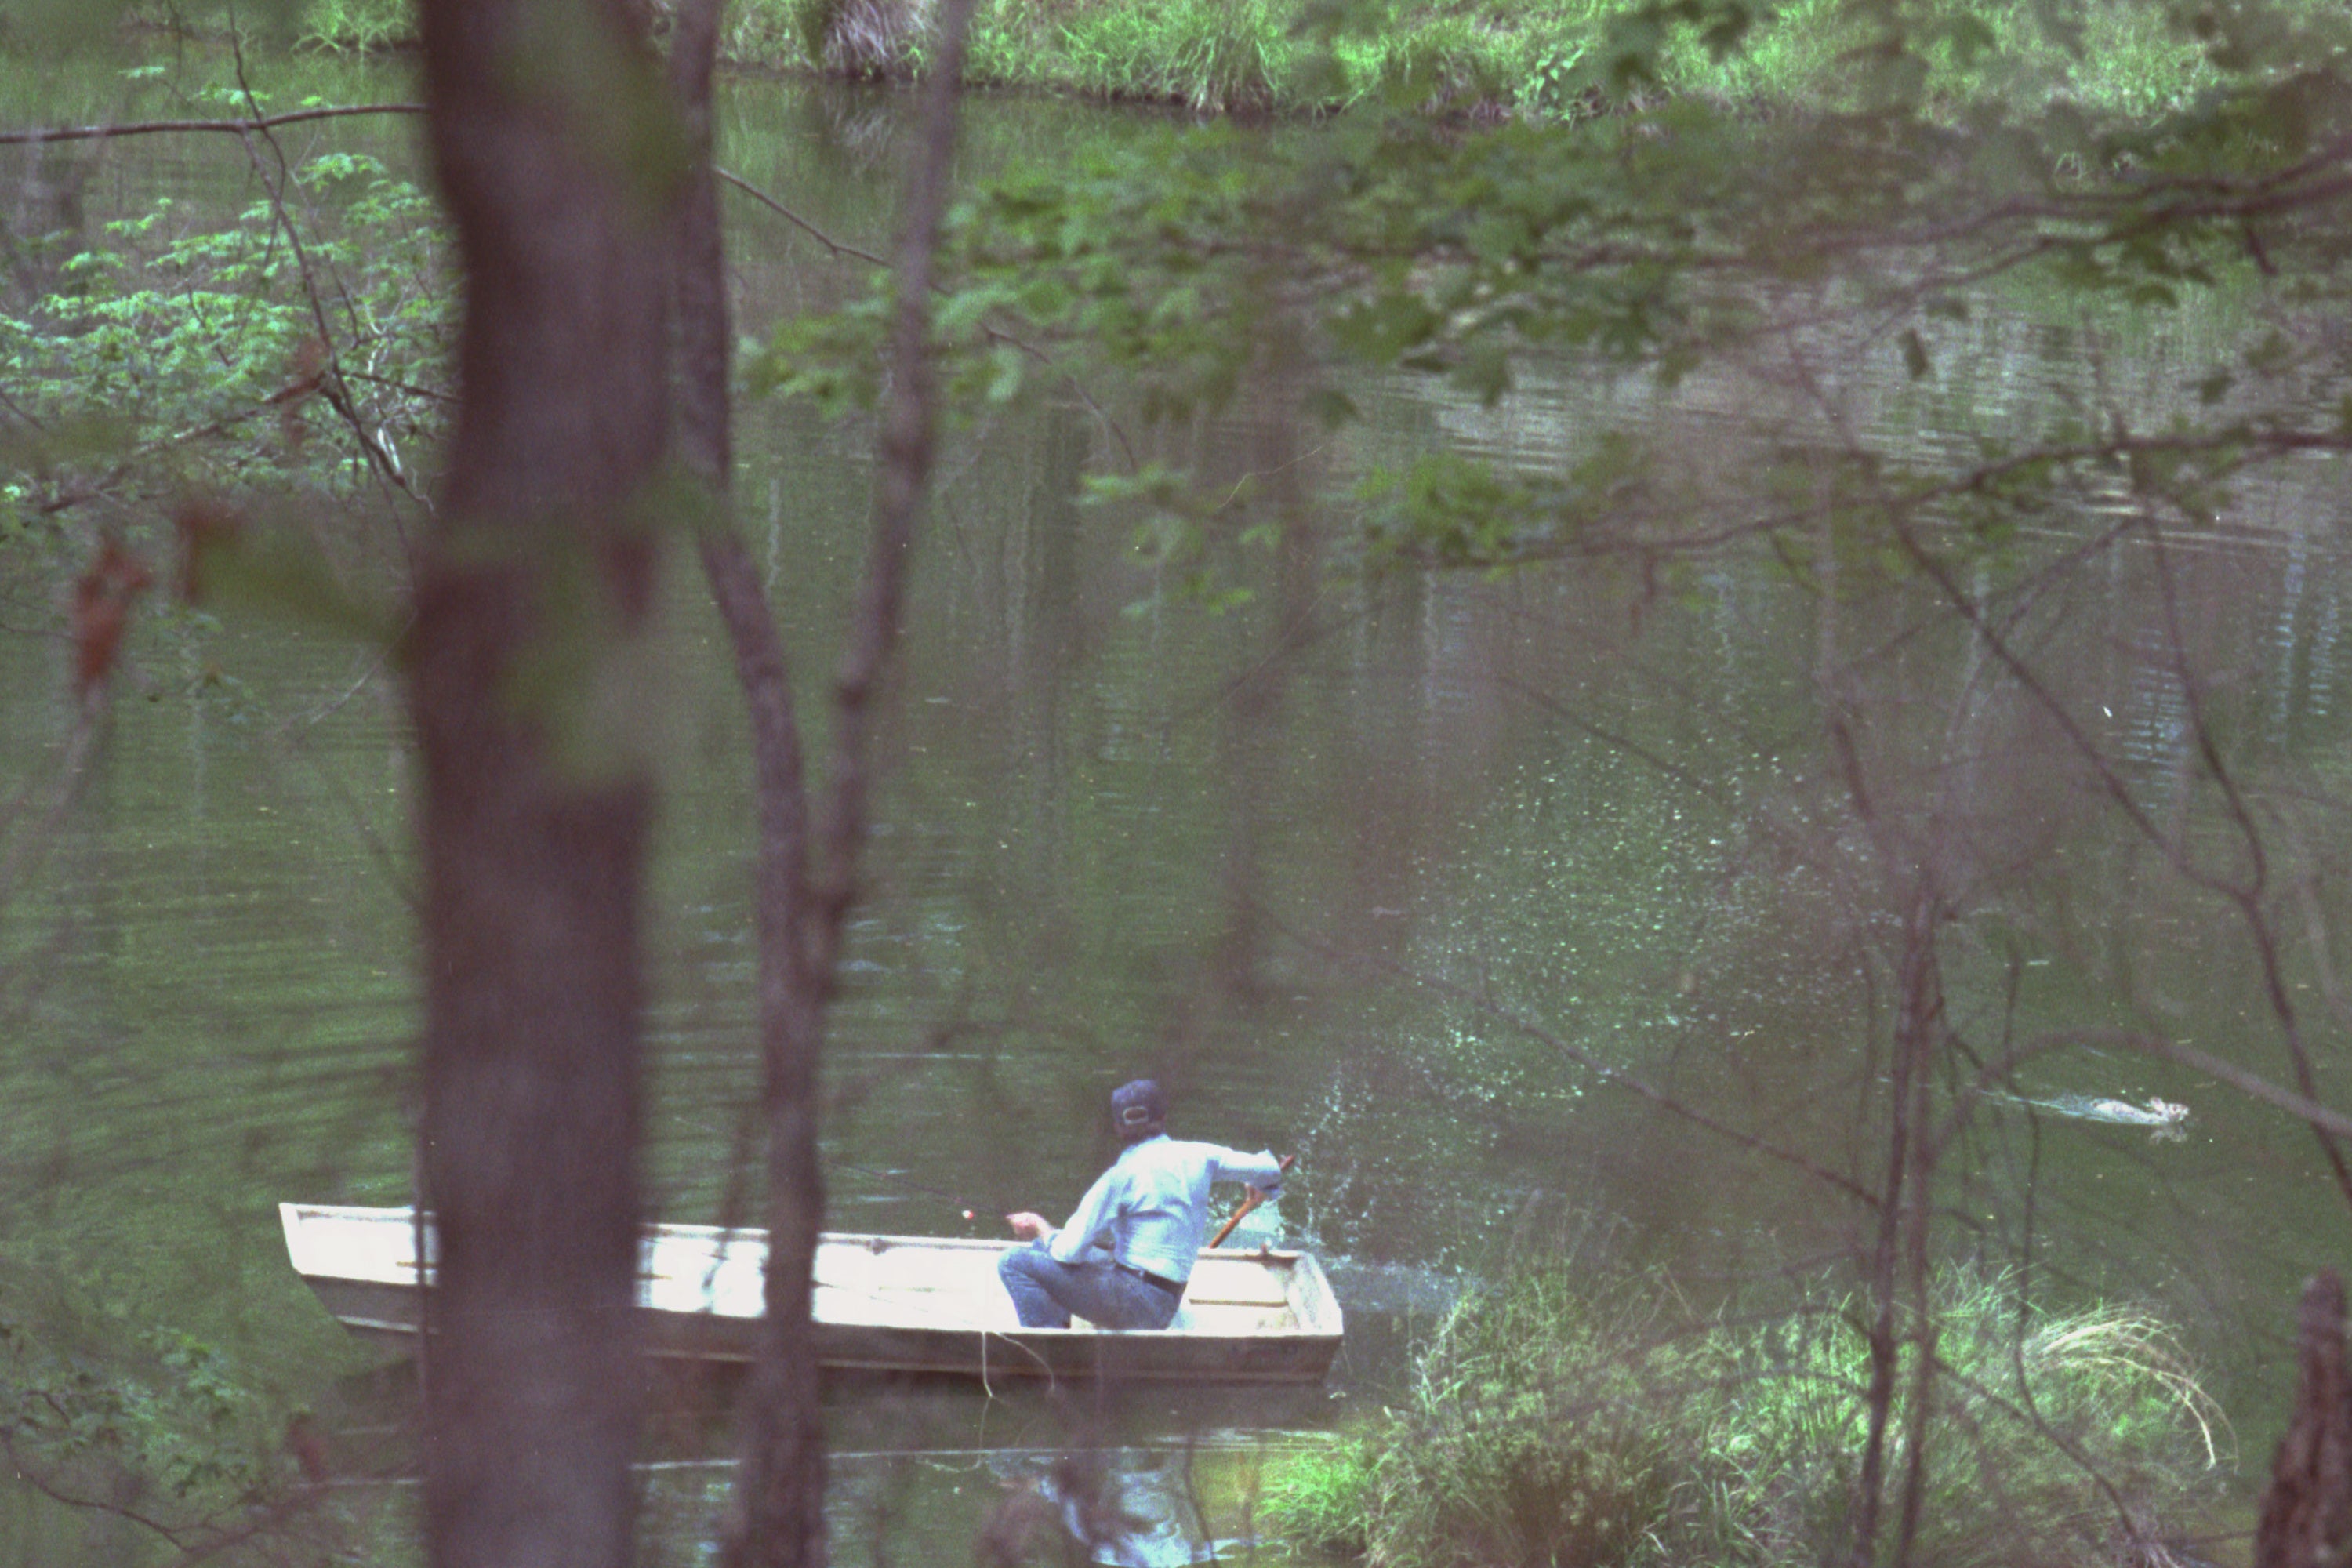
[(910, 1183)]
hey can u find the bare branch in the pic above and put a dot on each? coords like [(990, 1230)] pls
[(907, 450), (337, 398), (773, 206), (2248, 898), (259, 122)]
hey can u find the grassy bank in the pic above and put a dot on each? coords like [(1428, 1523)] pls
[(1554, 1422), (1500, 57)]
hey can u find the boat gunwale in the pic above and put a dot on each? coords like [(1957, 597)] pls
[(1306, 1296)]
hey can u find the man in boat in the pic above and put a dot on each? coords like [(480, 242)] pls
[(1122, 1260)]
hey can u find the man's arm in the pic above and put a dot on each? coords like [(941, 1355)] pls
[(1096, 1210), (1262, 1172), (1094, 1213)]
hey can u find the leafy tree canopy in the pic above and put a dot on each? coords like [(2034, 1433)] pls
[(1652, 233)]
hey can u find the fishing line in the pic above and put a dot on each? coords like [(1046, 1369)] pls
[(969, 1210)]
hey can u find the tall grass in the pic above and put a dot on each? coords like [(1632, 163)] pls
[(1520, 57), (1210, 56), (2108, 54), (1555, 1422)]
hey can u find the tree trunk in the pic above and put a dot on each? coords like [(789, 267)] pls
[(778, 1519), (531, 611), (2306, 1517), (778, 1513), (706, 419)]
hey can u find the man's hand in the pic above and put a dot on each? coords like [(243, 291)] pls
[(1028, 1227)]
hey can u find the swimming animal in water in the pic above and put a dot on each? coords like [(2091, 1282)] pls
[(2163, 1118)]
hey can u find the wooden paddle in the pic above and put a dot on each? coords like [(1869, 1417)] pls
[(1248, 1204)]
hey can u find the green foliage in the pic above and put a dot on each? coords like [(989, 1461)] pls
[(1558, 1419), (1453, 510), (1437, 64), (1316, 1497), (1210, 56), (359, 24), (1537, 59), (101, 1408), (1517, 57), (1102, 254), (1643, 244), (234, 358)]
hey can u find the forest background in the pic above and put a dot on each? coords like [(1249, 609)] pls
[(2053, 688)]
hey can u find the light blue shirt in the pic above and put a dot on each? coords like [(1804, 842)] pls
[(1153, 1203)]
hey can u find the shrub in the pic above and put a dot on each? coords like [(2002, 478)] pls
[(1554, 1422), (1317, 1498), (103, 1418)]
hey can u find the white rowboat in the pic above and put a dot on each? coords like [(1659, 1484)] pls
[(883, 1303)]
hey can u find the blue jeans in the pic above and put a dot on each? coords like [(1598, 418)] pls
[(1045, 1291)]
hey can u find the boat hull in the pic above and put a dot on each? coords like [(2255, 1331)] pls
[(883, 1303)]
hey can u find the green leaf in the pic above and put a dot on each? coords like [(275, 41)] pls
[(1008, 366)]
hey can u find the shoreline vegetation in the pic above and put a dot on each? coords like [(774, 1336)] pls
[(1570, 1416), (1527, 59)]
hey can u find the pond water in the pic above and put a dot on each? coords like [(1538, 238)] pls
[(1409, 875)]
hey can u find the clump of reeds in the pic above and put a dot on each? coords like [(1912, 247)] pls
[(862, 37), (1552, 1421)]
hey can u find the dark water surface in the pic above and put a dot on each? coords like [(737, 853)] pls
[(1401, 893)]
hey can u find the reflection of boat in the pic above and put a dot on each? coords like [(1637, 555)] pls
[(900, 1303)]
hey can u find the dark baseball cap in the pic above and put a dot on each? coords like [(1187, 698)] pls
[(1138, 1105)]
